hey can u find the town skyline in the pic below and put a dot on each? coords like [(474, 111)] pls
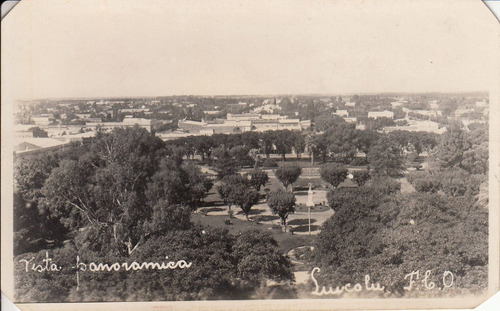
[(472, 92)]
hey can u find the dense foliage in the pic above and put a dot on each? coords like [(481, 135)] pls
[(388, 237), (223, 266), (119, 188), (467, 150)]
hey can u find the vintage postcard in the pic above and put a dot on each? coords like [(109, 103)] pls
[(250, 155)]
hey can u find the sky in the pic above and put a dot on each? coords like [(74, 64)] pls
[(108, 48)]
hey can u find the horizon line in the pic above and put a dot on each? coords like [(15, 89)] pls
[(257, 95)]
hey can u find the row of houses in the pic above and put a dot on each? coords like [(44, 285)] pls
[(238, 123)]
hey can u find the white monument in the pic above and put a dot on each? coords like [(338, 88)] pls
[(310, 202)]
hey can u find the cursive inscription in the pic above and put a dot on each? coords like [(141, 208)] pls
[(348, 288), (48, 265), (414, 280)]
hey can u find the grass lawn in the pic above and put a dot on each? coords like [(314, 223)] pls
[(314, 209), (286, 241)]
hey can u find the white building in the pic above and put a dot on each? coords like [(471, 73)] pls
[(433, 104), (243, 116), (341, 113), (211, 112), (41, 120), (429, 113), (82, 115), (267, 108), (23, 134), (417, 126), (31, 144), (381, 114), (272, 117)]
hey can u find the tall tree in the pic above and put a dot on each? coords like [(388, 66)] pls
[(105, 189), (284, 140), (244, 197), (452, 146), (288, 174), (386, 158), (341, 143), (327, 121), (226, 188), (299, 144), (267, 143), (282, 203), (333, 173), (258, 178), (241, 155), (260, 258), (225, 164), (311, 146)]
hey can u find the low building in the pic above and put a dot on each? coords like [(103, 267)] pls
[(381, 114), (341, 113), (82, 115), (191, 126), (211, 112), (93, 120), (134, 110), (360, 126), (267, 108), (128, 121), (429, 113), (305, 124), (417, 126), (243, 116), (351, 120), (228, 127), (23, 134), (433, 104), (272, 117), (34, 144), (239, 123), (41, 120)]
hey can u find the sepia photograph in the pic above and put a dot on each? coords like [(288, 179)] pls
[(250, 155)]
